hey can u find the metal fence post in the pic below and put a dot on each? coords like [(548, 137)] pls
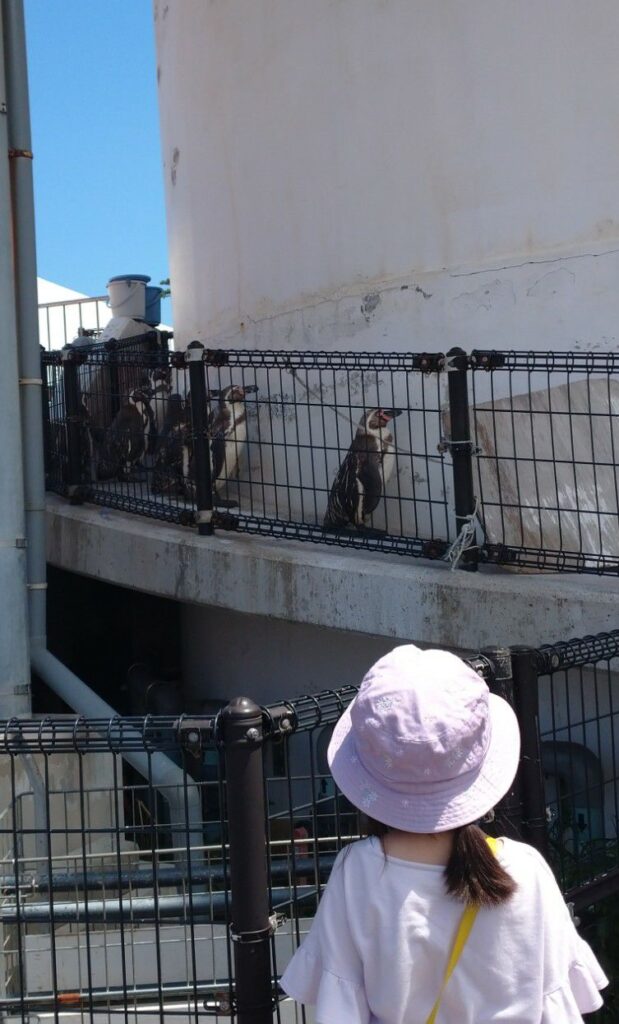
[(526, 697), (194, 356), (242, 733), (73, 420), (460, 446), (111, 348), (509, 812)]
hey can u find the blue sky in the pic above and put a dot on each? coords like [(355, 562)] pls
[(98, 178)]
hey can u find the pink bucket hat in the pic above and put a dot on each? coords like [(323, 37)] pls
[(424, 746)]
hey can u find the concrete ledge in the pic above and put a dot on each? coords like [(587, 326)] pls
[(357, 592)]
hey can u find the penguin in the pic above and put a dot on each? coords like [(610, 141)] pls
[(127, 439), (228, 432), (87, 444), (87, 437), (159, 385), (173, 468), (363, 476)]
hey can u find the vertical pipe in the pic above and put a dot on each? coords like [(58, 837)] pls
[(241, 723), (526, 696), (20, 151), (201, 448), (460, 447), (14, 667), (182, 795), (509, 812)]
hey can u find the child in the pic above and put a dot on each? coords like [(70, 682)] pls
[(428, 921)]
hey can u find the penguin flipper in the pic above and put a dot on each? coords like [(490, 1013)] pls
[(218, 455), (343, 498), (369, 475)]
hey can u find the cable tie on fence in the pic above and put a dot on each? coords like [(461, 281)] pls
[(31, 380), (465, 541), (252, 938)]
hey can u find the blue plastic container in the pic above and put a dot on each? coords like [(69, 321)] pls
[(152, 315)]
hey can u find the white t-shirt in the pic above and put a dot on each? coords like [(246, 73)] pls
[(378, 946)]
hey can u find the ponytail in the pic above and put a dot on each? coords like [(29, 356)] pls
[(473, 873)]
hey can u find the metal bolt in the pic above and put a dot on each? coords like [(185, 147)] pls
[(193, 736), (253, 735), (285, 725)]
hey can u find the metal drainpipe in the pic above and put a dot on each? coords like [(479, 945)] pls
[(182, 795), (14, 669), (27, 310)]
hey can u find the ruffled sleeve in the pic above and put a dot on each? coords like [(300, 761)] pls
[(337, 1000), (580, 993), (327, 971)]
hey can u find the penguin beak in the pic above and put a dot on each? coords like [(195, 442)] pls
[(250, 389), (389, 414)]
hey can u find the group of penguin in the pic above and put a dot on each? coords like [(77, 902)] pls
[(155, 424)]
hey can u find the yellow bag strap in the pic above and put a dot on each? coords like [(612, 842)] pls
[(463, 931)]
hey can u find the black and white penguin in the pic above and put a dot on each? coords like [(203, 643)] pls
[(127, 439), (159, 385), (364, 474), (87, 444), (59, 449), (173, 468), (228, 433)]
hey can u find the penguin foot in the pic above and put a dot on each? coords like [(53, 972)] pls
[(225, 502), (338, 527), (371, 531)]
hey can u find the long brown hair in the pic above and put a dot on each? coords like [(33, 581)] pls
[(472, 874)]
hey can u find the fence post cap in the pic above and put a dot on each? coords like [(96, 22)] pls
[(241, 708), (241, 722)]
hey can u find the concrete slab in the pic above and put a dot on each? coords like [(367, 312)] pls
[(356, 592)]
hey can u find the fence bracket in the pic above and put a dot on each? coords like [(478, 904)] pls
[(486, 360)]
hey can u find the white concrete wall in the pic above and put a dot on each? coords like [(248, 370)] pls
[(391, 173)]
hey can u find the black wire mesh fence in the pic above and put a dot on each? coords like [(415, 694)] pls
[(579, 698), (491, 457), (167, 867), (546, 431), (114, 885)]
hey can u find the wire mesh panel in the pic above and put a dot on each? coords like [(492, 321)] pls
[(579, 719), (338, 446), (353, 449), (546, 429), (333, 447), (308, 822), (113, 884)]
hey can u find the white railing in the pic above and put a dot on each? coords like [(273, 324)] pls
[(59, 322)]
